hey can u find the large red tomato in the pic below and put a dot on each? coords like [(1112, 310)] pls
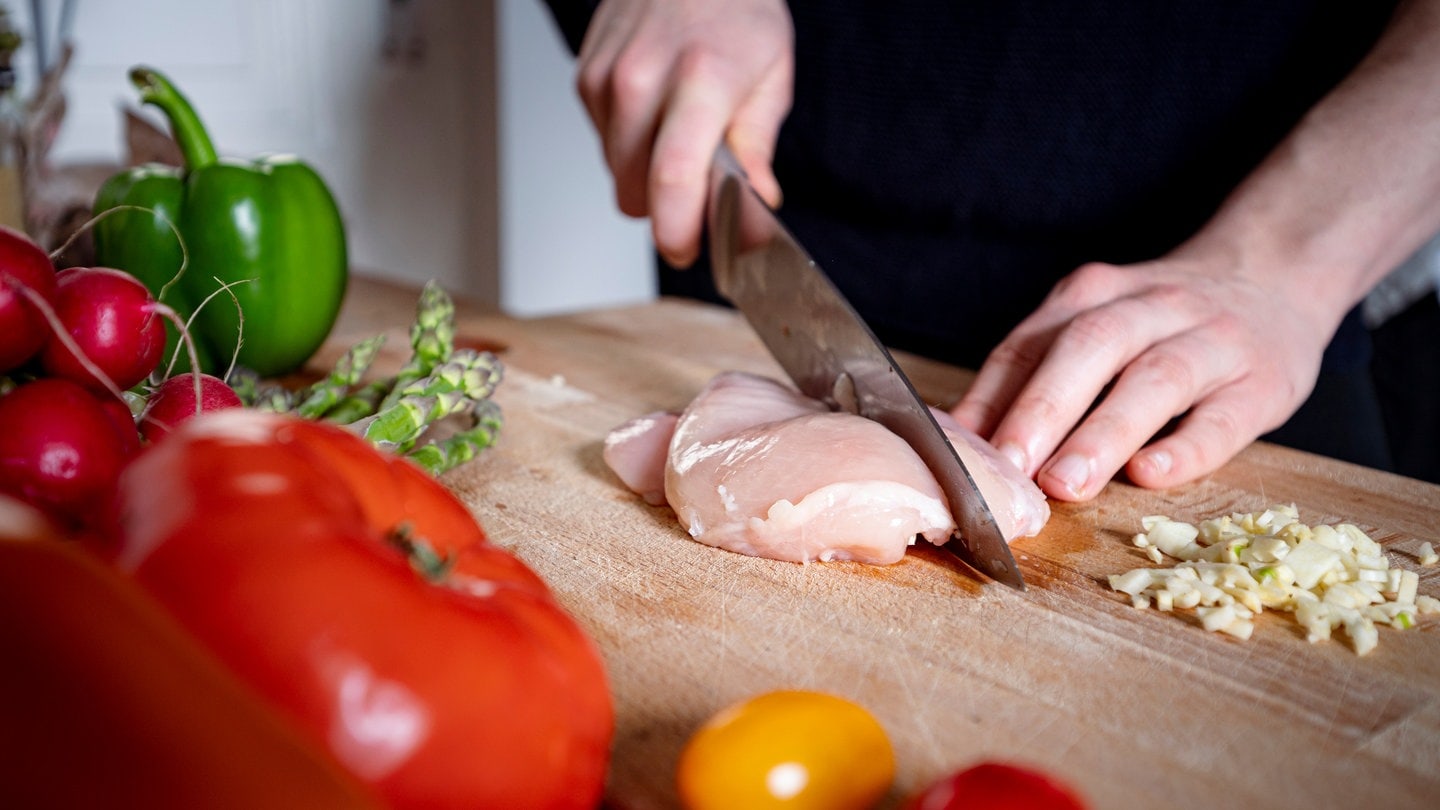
[(107, 702), (361, 597)]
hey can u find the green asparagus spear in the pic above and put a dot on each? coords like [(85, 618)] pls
[(452, 387), (326, 393), (439, 456)]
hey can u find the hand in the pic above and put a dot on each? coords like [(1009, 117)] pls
[(665, 83), (1227, 331), (1232, 354)]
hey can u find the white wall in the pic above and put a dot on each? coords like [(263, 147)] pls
[(563, 243), (472, 165)]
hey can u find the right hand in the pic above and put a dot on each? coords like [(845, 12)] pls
[(665, 82)]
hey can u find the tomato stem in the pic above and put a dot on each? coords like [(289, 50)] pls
[(422, 556)]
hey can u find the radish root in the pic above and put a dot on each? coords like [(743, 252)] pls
[(240, 329), (95, 220)]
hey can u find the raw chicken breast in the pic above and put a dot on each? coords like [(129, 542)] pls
[(636, 451), (754, 467), (1019, 507)]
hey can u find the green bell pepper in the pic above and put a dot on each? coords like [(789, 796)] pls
[(269, 225)]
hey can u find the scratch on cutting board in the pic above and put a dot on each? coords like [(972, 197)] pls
[(1334, 720), (722, 628), (925, 729), (1039, 737)]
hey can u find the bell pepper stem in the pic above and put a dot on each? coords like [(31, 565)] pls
[(185, 126)]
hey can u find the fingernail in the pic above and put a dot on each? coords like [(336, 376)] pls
[(1072, 472), (676, 260), (1160, 461), (1012, 451)]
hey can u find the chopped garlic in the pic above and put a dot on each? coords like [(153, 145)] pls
[(1216, 618), (1426, 555), (1240, 628), (1409, 587), (1234, 566)]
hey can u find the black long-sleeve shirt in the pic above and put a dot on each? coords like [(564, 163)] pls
[(948, 162)]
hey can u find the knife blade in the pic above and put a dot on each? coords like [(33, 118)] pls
[(832, 355)]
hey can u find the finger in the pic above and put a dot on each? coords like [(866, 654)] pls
[(1210, 435), (756, 128), (1011, 364), (1086, 355), (1163, 382), (1000, 379), (609, 31), (622, 75), (640, 80), (690, 131)]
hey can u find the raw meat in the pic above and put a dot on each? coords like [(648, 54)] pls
[(1017, 503), (636, 451), (754, 467)]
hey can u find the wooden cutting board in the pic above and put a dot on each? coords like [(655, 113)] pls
[(1134, 708)]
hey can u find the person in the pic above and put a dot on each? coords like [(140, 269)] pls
[(1403, 316), (1148, 225)]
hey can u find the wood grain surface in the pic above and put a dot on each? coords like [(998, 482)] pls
[(1136, 708)]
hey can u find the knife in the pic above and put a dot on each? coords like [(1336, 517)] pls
[(831, 355)]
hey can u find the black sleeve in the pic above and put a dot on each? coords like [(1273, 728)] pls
[(572, 17)]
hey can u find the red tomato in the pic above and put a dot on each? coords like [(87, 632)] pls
[(278, 542), (108, 702), (997, 786)]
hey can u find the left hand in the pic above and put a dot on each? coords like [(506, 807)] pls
[(1227, 350), (1227, 331)]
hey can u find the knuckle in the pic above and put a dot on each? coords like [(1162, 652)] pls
[(1041, 407), (1088, 282), (1220, 429), (698, 63), (978, 415), (636, 76), (590, 82), (1168, 369), (1097, 272), (1171, 297), (1097, 329), (1226, 322), (677, 165), (1016, 354)]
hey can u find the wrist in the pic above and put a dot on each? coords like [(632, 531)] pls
[(1291, 267)]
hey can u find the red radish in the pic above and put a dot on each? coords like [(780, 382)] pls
[(173, 402), (59, 451), (113, 321), (123, 420), (23, 266)]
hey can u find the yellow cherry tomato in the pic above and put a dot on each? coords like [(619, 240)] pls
[(789, 749)]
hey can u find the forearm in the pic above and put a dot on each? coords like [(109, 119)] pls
[(1355, 187)]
